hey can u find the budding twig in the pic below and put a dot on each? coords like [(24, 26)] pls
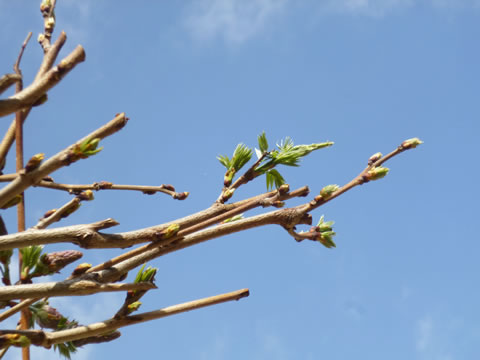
[(63, 158), (66, 288), (28, 96)]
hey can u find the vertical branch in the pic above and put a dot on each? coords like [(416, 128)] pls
[(24, 318)]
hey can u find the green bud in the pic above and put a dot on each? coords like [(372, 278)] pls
[(328, 190), (227, 179), (377, 173), (232, 219), (167, 233), (326, 240), (411, 143), (17, 340), (133, 307), (227, 194)]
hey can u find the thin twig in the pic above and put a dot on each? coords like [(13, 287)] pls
[(8, 80), (48, 60), (63, 158), (28, 96), (113, 324)]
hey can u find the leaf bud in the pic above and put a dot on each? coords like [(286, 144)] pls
[(133, 307), (227, 194), (377, 173), (81, 269), (181, 196), (284, 189), (411, 143), (328, 190), (86, 195), (374, 158)]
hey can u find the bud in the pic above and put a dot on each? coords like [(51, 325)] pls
[(326, 240), (81, 269), (181, 196), (411, 143), (227, 179), (167, 233), (55, 261), (46, 316), (377, 173), (86, 195), (14, 340), (284, 189), (103, 185), (328, 190), (227, 194), (133, 307), (278, 204), (168, 187), (49, 213), (374, 158)]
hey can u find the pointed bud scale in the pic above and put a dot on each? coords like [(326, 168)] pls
[(411, 143), (49, 213), (81, 269), (278, 204), (328, 190), (375, 157), (86, 195), (377, 173), (34, 162)]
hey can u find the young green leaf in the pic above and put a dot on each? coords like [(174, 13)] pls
[(262, 142), (273, 177), (241, 156), (288, 154)]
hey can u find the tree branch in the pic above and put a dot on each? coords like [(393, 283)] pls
[(28, 96), (75, 287), (113, 324), (63, 158), (8, 80)]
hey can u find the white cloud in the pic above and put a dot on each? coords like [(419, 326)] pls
[(235, 21)]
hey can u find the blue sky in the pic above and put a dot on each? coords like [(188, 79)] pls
[(198, 77)]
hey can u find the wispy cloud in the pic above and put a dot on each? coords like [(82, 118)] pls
[(430, 339), (375, 8), (234, 21)]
